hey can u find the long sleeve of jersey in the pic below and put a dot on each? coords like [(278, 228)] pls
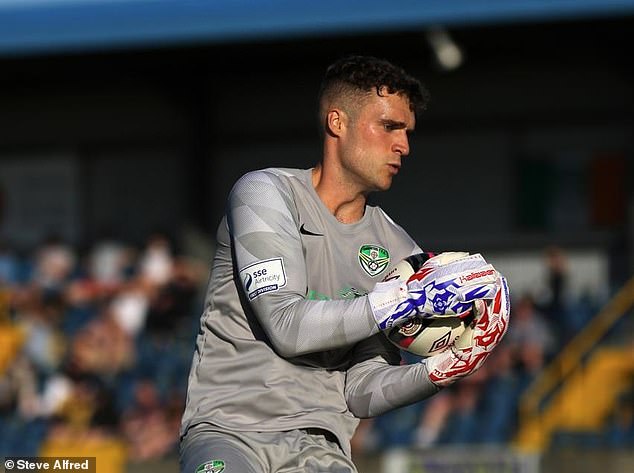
[(263, 224), (374, 387)]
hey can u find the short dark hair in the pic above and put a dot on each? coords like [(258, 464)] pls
[(361, 74)]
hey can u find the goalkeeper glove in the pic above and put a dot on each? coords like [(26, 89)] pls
[(472, 348)]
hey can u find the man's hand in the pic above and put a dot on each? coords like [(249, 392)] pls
[(446, 285), (473, 347)]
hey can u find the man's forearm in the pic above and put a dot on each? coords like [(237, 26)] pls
[(375, 387)]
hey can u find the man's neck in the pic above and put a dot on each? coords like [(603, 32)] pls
[(346, 204)]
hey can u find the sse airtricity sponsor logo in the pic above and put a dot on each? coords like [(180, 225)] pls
[(262, 277)]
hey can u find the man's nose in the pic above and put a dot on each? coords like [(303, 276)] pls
[(401, 145)]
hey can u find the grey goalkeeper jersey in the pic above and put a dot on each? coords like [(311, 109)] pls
[(287, 339)]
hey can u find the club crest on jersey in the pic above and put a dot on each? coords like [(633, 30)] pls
[(213, 466), (373, 259)]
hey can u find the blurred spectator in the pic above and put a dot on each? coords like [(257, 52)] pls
[(109, 262), (39, 315), (88, 406), (102, 347), (464, 415), (57, 393), (156, 260), (172, 302), (54, 263), (553, 303), (147, 425), (557, 269), (129, 308), (18, 389), (530, 337), (433, 420)]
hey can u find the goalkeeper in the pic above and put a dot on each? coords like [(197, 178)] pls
[(290, 352)]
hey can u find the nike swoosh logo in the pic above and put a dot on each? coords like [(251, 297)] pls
[(303, 231)]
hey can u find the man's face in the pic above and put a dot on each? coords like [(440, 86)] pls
[(375, 141)]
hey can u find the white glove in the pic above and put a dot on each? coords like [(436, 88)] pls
[(469, 352), (446, 285)]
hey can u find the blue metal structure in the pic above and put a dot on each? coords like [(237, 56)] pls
[(53, 26)]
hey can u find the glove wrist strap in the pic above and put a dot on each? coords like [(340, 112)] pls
[(384, 300)]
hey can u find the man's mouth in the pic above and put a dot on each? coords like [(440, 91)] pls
[(394, 168)]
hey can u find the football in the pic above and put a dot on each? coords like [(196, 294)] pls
[(428, 336)]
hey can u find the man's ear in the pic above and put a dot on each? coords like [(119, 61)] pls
[(336, 120)]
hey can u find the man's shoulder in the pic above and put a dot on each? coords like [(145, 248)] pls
[(278, 172), (270, 187), (282, 179)]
